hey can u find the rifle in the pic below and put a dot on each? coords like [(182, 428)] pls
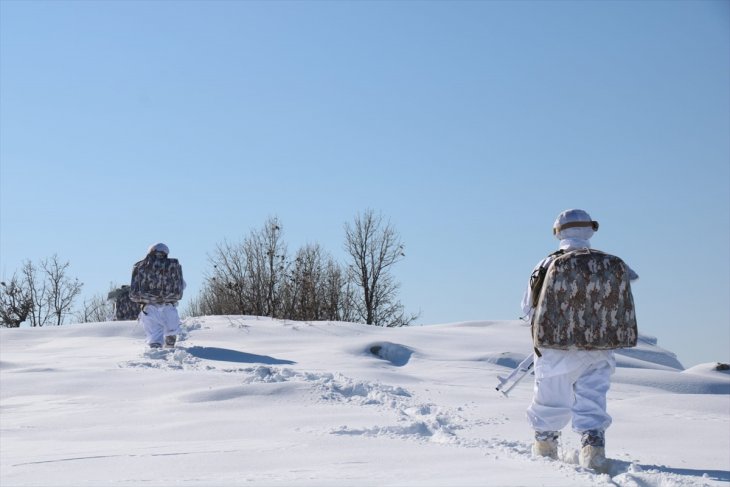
[(506, 384)]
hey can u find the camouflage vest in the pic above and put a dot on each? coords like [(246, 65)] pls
[(156, 279), (585, 303), (124, 308)]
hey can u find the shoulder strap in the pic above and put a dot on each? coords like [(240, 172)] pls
[(536, 281), (538, 276)]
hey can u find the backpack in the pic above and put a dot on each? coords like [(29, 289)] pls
[(124, 308), (156, 279), (585, 303)]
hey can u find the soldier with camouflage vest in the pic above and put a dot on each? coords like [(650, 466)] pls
[(157, 284), (123, 307), (572, 377)]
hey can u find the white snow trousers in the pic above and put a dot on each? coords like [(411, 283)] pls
[(159, 321), (571, 385)]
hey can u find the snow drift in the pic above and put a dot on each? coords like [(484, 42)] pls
[(246, 400)]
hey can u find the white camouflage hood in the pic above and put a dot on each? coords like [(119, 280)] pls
[(578, 236)]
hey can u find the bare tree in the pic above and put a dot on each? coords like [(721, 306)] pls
[(335, 292), (246, 278), (267, 266), (62, 290), (38, 291), (15, 303), (256, 277), (304, 290), (95, 310), (51, 291), (196, 307), (226, 287), (374, 246)]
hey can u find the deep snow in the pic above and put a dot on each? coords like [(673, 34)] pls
[(255, 401)]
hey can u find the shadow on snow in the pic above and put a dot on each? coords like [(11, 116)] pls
[(227, 355), (718, 475)]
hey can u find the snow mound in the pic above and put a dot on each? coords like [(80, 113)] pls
[(713, 370), (397, 355), (647, 352), (677, 382), (504, 359)]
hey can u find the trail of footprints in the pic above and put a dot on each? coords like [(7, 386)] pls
[(415, 421)]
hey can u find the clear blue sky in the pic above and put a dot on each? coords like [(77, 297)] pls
[(470, 125)]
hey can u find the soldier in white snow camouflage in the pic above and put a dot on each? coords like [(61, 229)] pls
[(158, 284), (580, 305), (124, 308)]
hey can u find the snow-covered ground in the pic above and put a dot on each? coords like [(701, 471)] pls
[(254, 401)]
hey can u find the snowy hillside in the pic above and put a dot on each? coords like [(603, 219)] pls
[(248, 401)]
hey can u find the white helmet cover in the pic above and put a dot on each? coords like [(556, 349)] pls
[(159, 247), (574, 224)]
